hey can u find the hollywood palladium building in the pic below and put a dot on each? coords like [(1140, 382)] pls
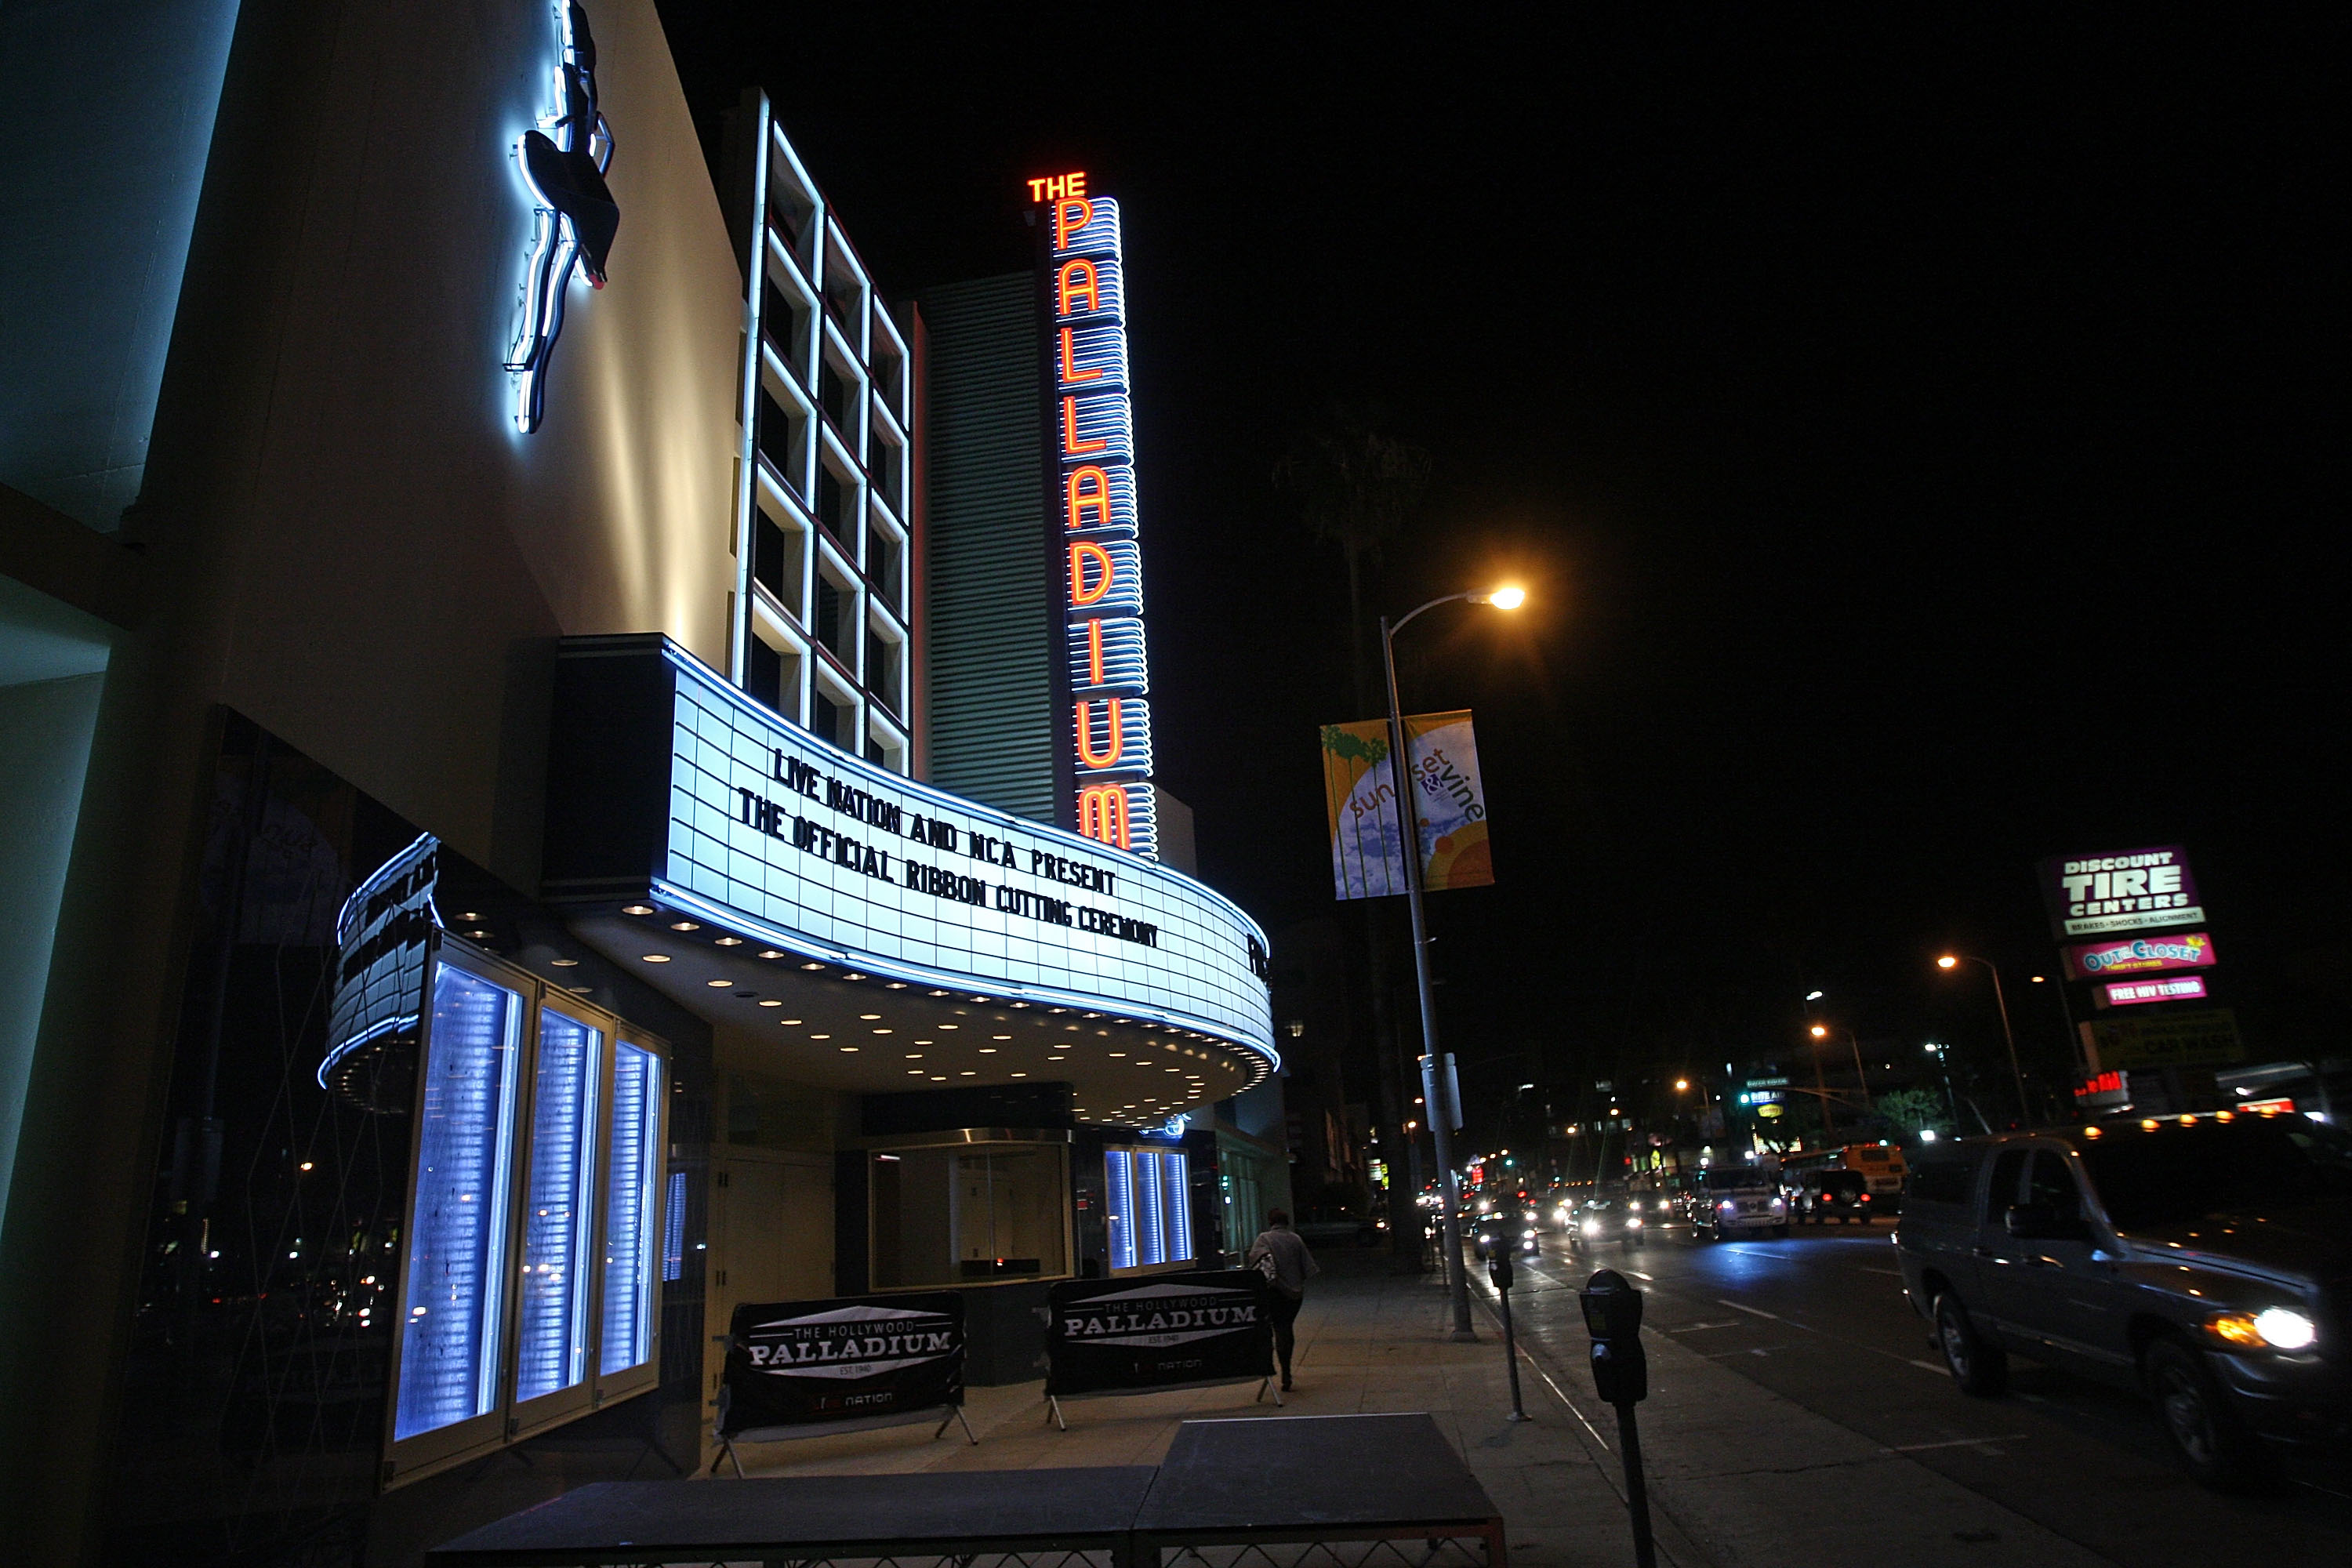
[(572, 762)]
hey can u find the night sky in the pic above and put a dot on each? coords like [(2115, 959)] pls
[(1922, 438)]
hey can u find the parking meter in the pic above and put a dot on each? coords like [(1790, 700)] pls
[(1621, 1370), (1612, 1313), (1499, 1270)]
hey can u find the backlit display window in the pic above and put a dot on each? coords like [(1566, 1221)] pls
[(1146, 1208), (451, 1315)]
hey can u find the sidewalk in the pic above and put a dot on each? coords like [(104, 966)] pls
[(1738, 1475)]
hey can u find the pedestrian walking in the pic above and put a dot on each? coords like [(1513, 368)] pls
[(1280, 1254)]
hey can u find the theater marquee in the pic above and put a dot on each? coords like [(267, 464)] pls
[(704, 800)]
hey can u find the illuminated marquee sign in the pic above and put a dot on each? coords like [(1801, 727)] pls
[(562, 161), (2129, 993), (2137, 889), (1109, 675), (769, 831)]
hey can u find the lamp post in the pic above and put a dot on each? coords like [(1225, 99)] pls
[(1457, 1285), (1821, 1032), (1953, 961)]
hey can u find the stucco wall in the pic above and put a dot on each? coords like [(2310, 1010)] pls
[(402, 557)]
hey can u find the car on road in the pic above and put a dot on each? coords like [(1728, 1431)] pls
[(1607, 1221), (1744, 1197), (1821, 1196), (2205, 1260), (1509, 1230)]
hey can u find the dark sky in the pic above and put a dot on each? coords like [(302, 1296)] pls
[(1923, 438)]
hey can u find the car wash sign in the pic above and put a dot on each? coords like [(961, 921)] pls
[(2131, 889), (1175, 1329), (851, 1359), (1102, 604)]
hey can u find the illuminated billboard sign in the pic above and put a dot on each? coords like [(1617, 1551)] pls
[(723, 808), (2128, 992), (2134, 890), (2140, 955), (1110, 734)]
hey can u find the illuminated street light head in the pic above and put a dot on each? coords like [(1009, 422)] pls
[(1947, 962), (1812, 996), (1682, 1086), (1502, 598), (1821, 1031)]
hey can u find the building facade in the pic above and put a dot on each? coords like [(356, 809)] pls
[(507, 860)]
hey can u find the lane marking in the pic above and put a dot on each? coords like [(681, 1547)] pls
[(1752, 1311), (1891, 1273), (1639, 1275), (1931, 1366), (1957, 1443), (1694, 1328)]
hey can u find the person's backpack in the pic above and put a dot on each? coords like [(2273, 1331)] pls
[(1267, 1267)]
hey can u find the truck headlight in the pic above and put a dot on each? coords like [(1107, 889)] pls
[(1727, 1205), (2272, 1328)]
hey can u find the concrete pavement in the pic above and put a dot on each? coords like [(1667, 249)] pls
[(1738, 1475)]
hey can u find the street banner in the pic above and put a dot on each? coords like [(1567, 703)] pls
[(2140, 955), (2205, 1038), (794, 1363), (1161, 1331), (2132, 890), (1450, 801)]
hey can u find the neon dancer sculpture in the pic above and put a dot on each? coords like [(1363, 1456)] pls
[(564, 160)]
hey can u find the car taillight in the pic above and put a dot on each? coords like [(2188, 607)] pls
[(1864, 1198)]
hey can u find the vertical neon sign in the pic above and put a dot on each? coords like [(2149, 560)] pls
[(1094, 432)]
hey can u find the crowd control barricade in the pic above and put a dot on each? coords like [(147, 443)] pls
[(809, 1368), (1156, 1332)]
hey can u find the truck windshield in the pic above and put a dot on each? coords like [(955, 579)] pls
[(1738, 1178), (2173, 1174)]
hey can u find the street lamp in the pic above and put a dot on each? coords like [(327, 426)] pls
[(1409, 818), (1821, 1032), (1953, 961)]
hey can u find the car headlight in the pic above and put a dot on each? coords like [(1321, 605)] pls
[(1778, 1205), (1633, 1222), (1593, 1227), (1727, 1205), (2272, 1328)]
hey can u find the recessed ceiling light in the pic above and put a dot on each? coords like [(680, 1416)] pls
[(914, 1072), (820, 1037), (1000, 1036), (924, 1042), (686, 925), (1021, 1074), (470, 915), (731, 941), (771, 1001), (950, 1026), (882, 1031), (658, 958), (770, 953), (564, 962), (934, 992), (812, 965), (789, 1023), (896, 985), (579, 990), (851, 1049), (869, 1017), (968, 1072), (988, 1050), (718, 983), (980, 998), (1119, 1053), (853, 977), (636, 908), (938, 1077), (914, 1056), (1057, 1058), (1019, 1004)]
